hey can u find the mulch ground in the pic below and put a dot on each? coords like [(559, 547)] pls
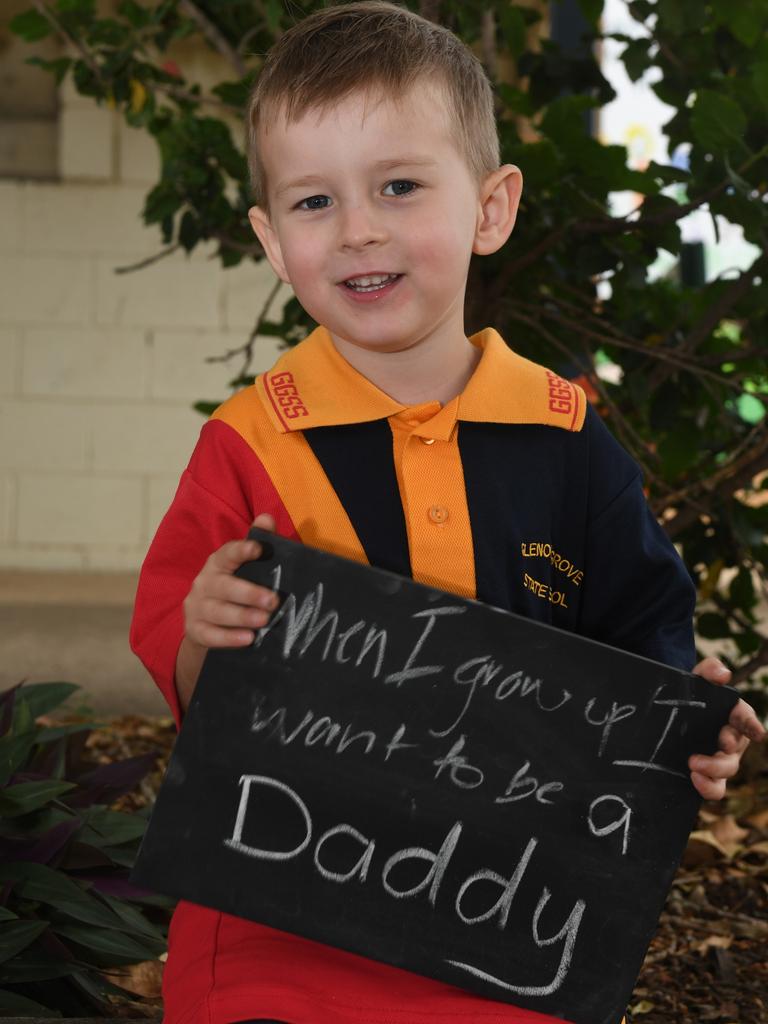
[(708, 962)]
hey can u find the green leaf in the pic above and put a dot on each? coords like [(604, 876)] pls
[(134, 920), (742, 590), (189, 231), (760, 81), (14, 751), (42, 698), (112, 828), (592, 10), (56, 732), (134, 13), (34, 966), (7, 915), (274, 13), (17, 935), (563, 122), (38, 882), (58, 67), (746, 19), (718, 122), (84, 9), (14, 1004), (206, 408), (712, 626), (750, 408), (31, 25), (29, 796), (110, 943), (514, 29)]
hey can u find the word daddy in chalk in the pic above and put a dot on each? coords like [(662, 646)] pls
[(435, 784)]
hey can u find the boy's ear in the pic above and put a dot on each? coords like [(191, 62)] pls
[(499, 200), (267, 235)]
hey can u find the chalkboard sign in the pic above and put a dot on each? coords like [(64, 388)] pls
[(436, 784)]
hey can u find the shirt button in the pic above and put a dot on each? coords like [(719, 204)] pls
[(427, 440), (438, 514)]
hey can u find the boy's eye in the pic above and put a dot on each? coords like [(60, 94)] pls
[(321, 202), (313, 203), (402, 187)]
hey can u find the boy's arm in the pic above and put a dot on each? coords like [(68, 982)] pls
[(220, 492)]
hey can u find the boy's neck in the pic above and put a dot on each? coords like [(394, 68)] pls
[(436, 369)]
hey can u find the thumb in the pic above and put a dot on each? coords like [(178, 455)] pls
[(264, 521)]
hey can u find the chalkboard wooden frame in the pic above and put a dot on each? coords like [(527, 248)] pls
[(437, 784)]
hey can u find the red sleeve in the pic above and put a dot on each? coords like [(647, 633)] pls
[(222, 490)]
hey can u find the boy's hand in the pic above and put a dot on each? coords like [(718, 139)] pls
[(709, 773), (221, 610)]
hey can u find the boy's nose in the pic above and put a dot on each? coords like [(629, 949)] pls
[(360, 226)]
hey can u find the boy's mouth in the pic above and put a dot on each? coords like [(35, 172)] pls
[(370, 282)]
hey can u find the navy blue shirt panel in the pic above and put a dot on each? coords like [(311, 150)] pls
[(561, 530)]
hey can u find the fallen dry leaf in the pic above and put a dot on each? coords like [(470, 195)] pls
[(703, 848), (144, 979), (713, 942), (759, 819), (729, 834), (644, 1006)]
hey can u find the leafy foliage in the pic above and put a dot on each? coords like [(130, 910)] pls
[(689, 363), (67, 910)]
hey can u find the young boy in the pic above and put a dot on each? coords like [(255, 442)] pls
[(390, 437)]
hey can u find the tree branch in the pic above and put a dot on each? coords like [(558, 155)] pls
[(129, 268), (85, 53), (214, 36), (729, 479), (247, 348), (758, 661)]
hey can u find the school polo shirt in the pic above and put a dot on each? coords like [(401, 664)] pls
[(514, 492)]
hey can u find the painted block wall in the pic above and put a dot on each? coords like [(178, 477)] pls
[(98, 369)]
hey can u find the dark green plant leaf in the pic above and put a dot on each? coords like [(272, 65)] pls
[(29, 796), (718, 122), (109, 943), (42, 698), (31, 25), (14, 751), (15, 1005), (712, 626), (514, 28), (17, 935), (33, 966), (111, 828)]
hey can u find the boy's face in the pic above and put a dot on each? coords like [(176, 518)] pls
[(372, 188)]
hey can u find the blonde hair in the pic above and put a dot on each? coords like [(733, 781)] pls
[(378, 47)]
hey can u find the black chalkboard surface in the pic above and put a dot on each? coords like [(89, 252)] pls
[(436, 784)]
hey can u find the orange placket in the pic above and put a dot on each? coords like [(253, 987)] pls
[(431, 482)]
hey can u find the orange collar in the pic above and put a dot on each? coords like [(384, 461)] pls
[(312, 385)]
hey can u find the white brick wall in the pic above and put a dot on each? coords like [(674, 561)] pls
[(99, 370)]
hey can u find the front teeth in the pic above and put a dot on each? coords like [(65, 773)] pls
[(369, 283)]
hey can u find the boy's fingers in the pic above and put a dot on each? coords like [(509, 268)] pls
[(732, 741), (219, 636), (237, 591), (264, 521), (230, 556), (713, 670), (708, 788), (224, 613), (719, 766), (744, 720)]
